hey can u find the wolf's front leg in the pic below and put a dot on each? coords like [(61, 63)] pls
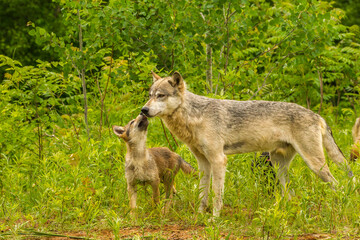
[(205, 171), (205, 176), (218, 165)]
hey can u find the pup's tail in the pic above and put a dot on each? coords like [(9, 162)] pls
[(186, 167), (333, 150)]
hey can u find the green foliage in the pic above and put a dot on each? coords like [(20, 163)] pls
[(54, 176), (15, 41)]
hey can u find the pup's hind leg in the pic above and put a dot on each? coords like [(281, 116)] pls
[(169, 191), (282, 158), (156, 192)]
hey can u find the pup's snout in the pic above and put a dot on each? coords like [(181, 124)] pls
[(145, 111)]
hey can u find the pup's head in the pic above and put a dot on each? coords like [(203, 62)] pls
[(166, 95), (134, 130)]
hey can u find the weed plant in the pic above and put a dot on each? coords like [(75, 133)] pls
[(80, 185)]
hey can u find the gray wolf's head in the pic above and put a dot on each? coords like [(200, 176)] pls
[(135, 130), (166, 95)]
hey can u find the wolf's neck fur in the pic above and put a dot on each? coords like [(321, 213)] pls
[(183, 120), (136, 151)]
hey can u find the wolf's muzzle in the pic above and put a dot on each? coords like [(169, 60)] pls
[(145, 111)]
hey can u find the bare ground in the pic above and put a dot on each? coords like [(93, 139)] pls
[(174, 232)]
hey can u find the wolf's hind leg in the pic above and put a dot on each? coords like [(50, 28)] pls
[(311, 150), (281, 158)]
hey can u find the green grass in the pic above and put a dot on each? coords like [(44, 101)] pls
[(80, 186)]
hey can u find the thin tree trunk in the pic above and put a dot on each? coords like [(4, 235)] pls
[(209, 87), (102, 96), (39, 129), (308, 101), (82, 76), (219, 75), (337, 104), (227, 19), (209, 67), (321, 90)]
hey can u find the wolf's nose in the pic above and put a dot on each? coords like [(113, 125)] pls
[(145, 110)]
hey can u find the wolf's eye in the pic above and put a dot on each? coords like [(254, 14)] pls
[(160, 95), (131, 123)]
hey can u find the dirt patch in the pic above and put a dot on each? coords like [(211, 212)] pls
[(167, 232), (316, 236), (173, 232)]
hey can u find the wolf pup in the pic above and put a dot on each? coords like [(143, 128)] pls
[(214, 128), (355, 154), (149, 166)]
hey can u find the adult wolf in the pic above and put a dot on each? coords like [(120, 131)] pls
[(355, 152), (214, 128)]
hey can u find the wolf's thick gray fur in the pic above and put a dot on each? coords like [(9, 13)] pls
[(214, 128)]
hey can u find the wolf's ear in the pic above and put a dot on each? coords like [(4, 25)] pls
[(177, 81), (155, 76), (118, 130)]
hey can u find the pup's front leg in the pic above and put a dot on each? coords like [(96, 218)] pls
[(132, 192)]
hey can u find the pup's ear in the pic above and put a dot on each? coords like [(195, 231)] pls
[(177, 81), (118, 130), (155, 76)]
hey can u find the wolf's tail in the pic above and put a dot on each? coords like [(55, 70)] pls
[(356, 129), (186, 167), (333, 150)]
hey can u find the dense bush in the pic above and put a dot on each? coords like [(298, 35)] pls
[(61, 163)]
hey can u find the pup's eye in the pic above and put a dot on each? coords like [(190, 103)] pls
[(131, 123)]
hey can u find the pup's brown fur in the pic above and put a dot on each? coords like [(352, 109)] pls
[(214, 128), (355, 149), (149, 166)]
